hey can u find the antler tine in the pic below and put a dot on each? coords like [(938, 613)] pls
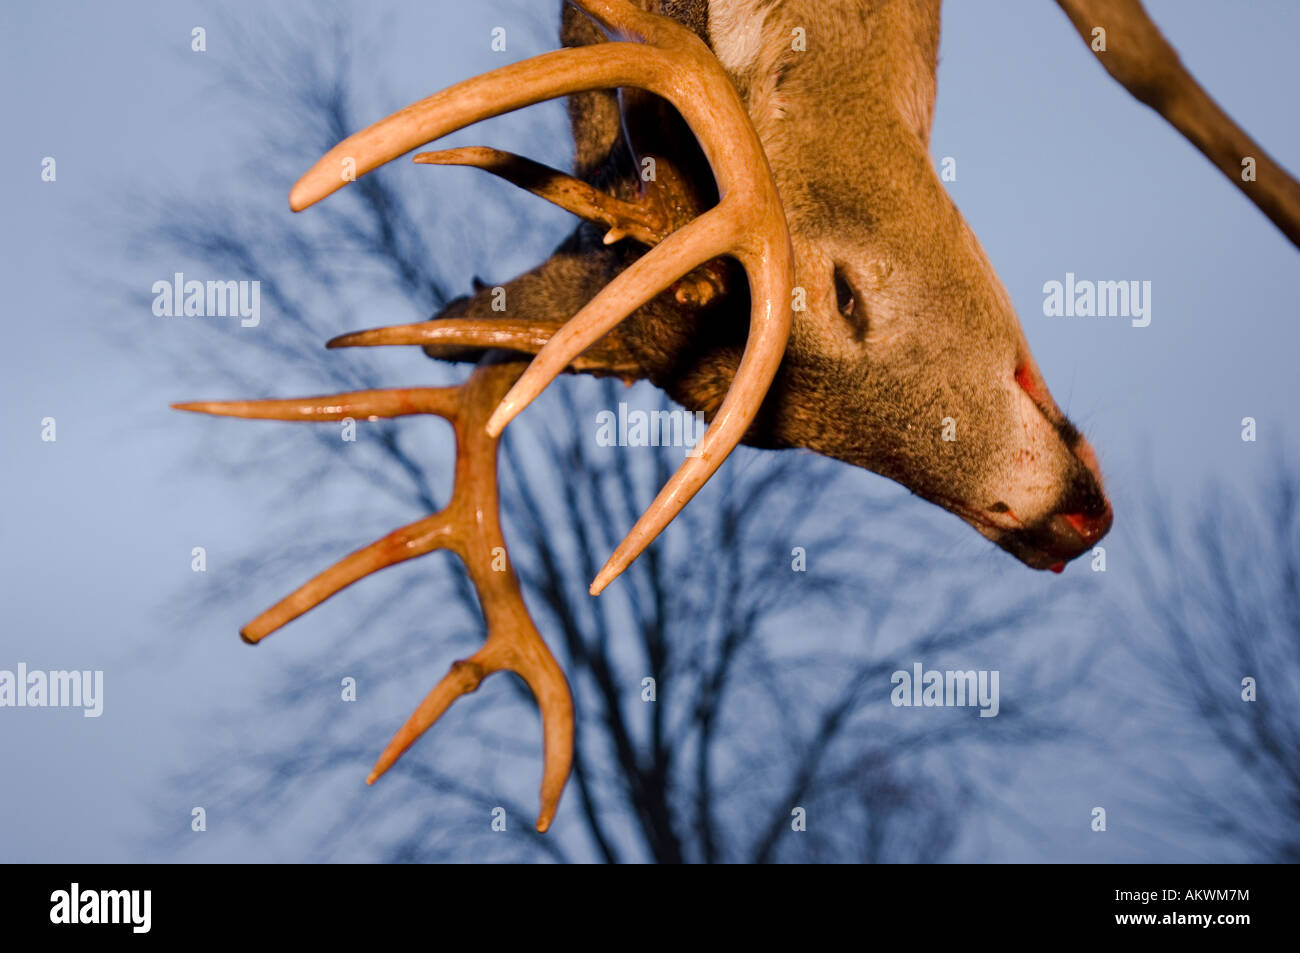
[(527, 337), (769, 328), (511, 334), (473, 332), (394, 402), (415, 539), (569, 193), (469, 526), (748, 222), (503, 90)]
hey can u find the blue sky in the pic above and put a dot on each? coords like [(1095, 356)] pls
[(1059, 170)]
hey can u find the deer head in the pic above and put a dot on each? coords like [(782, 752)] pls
[(909, 347), (791, 265)]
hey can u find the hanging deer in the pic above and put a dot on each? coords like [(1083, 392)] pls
[(764, 237)]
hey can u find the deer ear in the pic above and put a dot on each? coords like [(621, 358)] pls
[(541, 300)]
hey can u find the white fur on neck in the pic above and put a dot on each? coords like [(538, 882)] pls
[(736, 31)]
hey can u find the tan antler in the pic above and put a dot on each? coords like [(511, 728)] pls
[(748, 223), (469, 525), (625, 219), (665, 58)]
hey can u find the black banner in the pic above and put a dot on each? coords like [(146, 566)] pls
[(131, 904)]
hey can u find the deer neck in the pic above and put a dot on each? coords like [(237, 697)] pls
[(876, 51)]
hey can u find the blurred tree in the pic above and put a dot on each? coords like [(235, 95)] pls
[(1223, 589)]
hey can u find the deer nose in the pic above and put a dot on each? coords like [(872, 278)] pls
[(1084, 515), (1090, 527), (1070, 534)]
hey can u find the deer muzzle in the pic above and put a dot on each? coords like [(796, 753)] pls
[(1080, 518)]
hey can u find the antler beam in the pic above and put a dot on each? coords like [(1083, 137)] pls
[(470, 527)]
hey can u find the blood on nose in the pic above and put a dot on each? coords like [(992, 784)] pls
[(1028, 382), (1089, 526)]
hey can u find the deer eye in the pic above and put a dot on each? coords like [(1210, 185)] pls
[(843, 295), (849, 306)]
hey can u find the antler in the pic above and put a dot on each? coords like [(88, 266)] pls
[(748, 222), (470, 527), (625, 219)]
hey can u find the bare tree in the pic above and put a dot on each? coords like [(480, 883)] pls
[(1223, 592)]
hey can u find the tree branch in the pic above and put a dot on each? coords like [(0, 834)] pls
[(1141, 60)]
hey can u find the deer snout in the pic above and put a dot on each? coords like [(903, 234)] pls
[(1081, 516), (1061, 537)]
